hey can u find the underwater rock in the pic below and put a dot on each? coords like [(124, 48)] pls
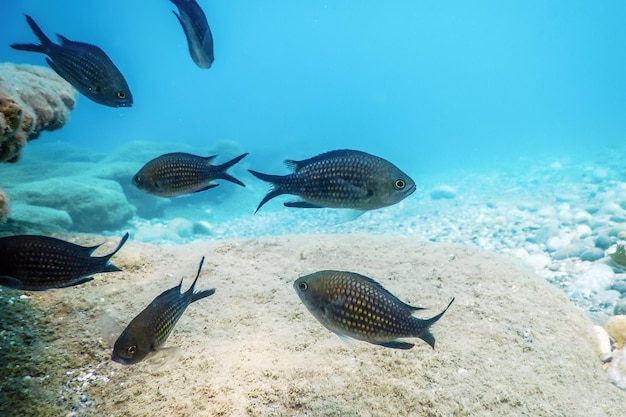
[(592, 254), (32, 99), (4, 205), (595, 279), (616, 328), (26, 213), (93, 204), (443, 192)]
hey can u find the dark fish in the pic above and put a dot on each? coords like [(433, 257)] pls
[(356, 306), (38, 263), (176, 174), (341, 179), (84, 66), (197, 31), (149, 330)]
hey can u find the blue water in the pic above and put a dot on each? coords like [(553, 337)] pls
[(424, 84), (433, 87)]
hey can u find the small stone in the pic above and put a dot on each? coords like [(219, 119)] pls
[(616, 328), (620, 307), (443, 192), (592, 254), (604, 242)]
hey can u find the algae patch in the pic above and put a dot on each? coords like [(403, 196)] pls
[(31, 383)]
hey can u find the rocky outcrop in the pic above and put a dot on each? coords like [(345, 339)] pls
[(32, 99)]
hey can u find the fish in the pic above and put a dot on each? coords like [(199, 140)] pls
[(355, 306), (38, 263), (149, 330), (178, 173), (340, 179), (197, 32), (87, 67)]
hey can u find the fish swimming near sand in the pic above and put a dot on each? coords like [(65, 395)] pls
[(176, 174), (147, 332), (340, 179), (197, 32), (85, 66), (355, 306), (37, 263)]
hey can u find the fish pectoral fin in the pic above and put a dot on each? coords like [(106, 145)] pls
[(354, 190), (208, 187), (301, 204), (11, 282), (163, 357), (395, 344)]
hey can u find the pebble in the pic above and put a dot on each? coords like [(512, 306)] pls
[(443, 192), (592, 254), (616, 328)]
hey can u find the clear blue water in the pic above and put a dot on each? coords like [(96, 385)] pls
[(422, 83), (430, 86)]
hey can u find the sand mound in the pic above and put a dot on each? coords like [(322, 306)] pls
[(510, 344)]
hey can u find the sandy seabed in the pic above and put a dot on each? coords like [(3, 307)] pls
[(510, 345)]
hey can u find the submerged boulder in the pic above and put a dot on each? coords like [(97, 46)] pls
[(93, 204)]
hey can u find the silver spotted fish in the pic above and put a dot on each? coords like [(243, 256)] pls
[(85, 66), (356, 306), (179, 173), (340, 179), (197, 32), (37, 263), (148, 331)]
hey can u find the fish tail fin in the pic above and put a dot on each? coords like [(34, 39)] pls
[(224, 167), (32, 47), (109, 267), (195, 296), (426, 335), (276, 190)]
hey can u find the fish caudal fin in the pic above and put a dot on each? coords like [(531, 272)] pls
[(195, 296), (427, 336), (275, 180), (225, 175), (45, 41), (108, 266)]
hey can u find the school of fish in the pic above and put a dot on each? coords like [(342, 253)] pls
[(347, 303)]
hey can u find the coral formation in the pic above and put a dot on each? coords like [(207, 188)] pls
[(32, 99)]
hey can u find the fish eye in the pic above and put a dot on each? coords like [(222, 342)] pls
[(399, 184), (121, 94), (137, 179), (304, 286), (131, 349)]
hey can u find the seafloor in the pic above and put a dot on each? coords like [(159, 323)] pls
[(521, 325)]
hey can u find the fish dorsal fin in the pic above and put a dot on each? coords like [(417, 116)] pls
[(63, 39), (377, 285), (209, 159), (297, 165)]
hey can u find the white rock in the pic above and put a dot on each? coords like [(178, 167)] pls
[(537, 261), (596, 278), (443, 192), (604, 343)]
